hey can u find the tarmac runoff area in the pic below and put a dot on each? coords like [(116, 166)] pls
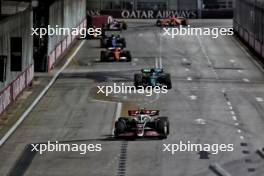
[(217, 98)]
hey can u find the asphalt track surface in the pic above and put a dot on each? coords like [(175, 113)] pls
[(217, 98)]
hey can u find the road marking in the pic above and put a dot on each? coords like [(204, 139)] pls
[(232, 61), (219, 170), (37, 100), (228, 103), (234, 117), (189, 78), (140, 34), (187, 69), (207, 57), (242, 137), (193, 97), (117, 115), (200, 121), (135, 59), (230, 107), (232, 112), (259, 99), (246, 80), (236, 124), (239, 131), (239, 71)]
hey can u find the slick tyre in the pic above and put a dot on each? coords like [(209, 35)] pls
[(138, 80), (103, 43), (120, 127), (123, 42), (103, 56), (124, 26), (167, 81), (163, 127), (128, 56)]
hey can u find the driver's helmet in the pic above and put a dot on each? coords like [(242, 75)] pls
[(118, 49), (142, 111)]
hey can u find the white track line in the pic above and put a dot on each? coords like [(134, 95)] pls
[(207, 57), (117, 114), (44, 91)]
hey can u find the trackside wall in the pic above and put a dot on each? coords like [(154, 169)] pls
[(18, 25), (249, 23), (65, 14)]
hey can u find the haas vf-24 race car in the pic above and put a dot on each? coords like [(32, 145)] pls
[(174, 21), (115, 26), (152, 77), (142, 123), (115, 55), (112, 42)]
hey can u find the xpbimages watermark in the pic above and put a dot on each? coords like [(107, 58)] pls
[(64, 147), (62, 31), (190, 31), (127, 89), (182, 146)]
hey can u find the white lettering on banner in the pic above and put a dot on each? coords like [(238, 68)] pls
[(93, 13), (150, 14), (30, 74), (19, 85), (58, 51), (5, 99)]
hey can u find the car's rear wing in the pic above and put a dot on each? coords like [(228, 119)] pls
[(148, 112)]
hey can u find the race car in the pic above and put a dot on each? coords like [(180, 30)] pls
[(142, 123), (115, 54), (152, 77), (112, 41), (170, 22), (115, 26)]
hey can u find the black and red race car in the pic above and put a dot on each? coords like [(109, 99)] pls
[(116, 54), (171, 22), (142, 123)]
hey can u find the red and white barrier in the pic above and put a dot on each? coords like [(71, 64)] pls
[(30, 75), (63, 46), (5, 99), (12, 91), (18, 85)]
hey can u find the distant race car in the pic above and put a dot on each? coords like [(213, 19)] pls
[(152, 77), (115, 55), (112, 41), (174, 21), (142, 123), (115, 26)]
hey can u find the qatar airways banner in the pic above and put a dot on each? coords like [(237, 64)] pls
[(145, 14)]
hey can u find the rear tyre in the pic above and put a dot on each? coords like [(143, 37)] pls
[(138, 81), (120, 127), (123, 42), (167, 81), (103, 56), (128, 56), (124, 26), (103, 43), (163, 127)]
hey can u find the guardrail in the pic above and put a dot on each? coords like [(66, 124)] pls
[(63, 46), (14, 89), (250, 39)]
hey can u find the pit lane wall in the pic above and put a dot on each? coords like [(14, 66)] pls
[(65, 14), (249, 24), (18, 25)]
